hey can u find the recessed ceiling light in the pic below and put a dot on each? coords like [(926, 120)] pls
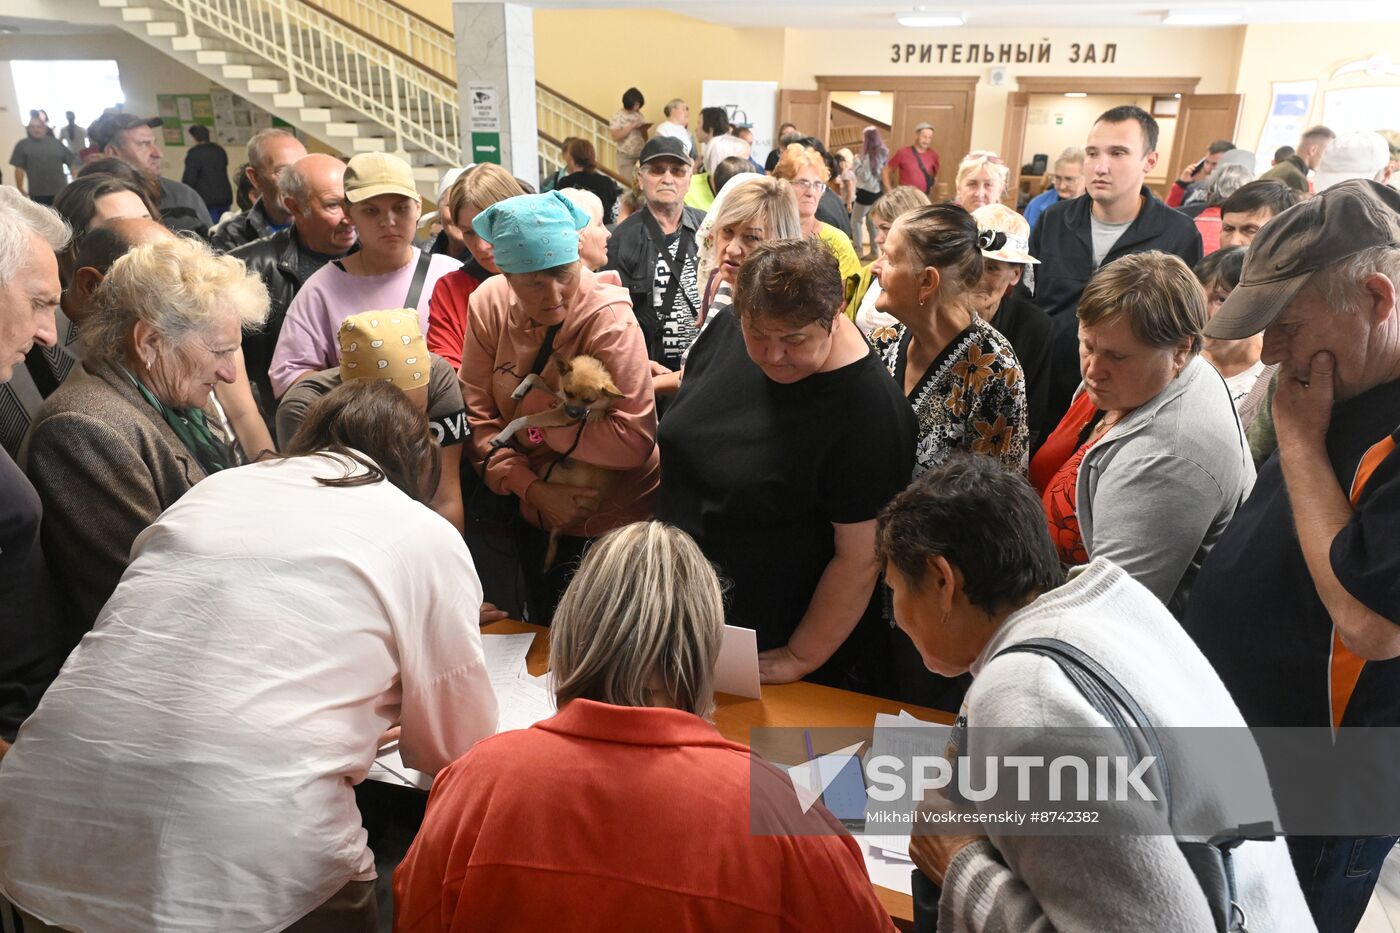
[(871, 93), (1076, 94), (921, 18), (1217, 17)]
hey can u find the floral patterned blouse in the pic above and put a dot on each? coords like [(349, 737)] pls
[(973, 396)]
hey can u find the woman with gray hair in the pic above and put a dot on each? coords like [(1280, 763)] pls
[(628, 800), (131, 430), (1230, 176)]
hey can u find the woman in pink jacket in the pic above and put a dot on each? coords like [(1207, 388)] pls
[(547, 309)]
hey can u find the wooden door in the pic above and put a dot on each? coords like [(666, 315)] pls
[(803, 108), (1013, 140), (950, 112), (1202, 119)]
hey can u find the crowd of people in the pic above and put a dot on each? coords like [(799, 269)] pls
[(263, 480)]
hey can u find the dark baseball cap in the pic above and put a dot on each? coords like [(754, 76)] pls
[(1342, 221), (106, 127), (663, 147)]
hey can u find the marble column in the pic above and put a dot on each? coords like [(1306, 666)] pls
[(496, 76)]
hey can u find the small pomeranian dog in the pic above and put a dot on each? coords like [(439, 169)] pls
[(586, 390)]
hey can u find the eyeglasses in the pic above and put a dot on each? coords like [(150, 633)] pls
[(806, 185), (657, 169)]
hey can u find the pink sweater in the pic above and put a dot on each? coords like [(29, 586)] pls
[(501, 345)]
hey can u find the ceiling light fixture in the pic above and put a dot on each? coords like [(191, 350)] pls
[(870, 93), (1076, 94), (924, 18), (1206, 17)]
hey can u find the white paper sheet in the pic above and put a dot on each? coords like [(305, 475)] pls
[(889, 873), (905, 737), (523, 704), (505, 657), (389, 768), (736, 671)]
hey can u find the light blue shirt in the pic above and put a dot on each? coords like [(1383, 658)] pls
[(1039, 203)]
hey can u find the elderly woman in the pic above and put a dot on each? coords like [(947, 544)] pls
[(386, 346), (704, 186), (592, 239), (1149, 463), (1224, 181), (981, 180), (473, 192), (786, 439), (971, 594), (129, 433), (545, 310), (387, 271), (628, 128), (1006, 259), (581, 171), (807, 171), (892, 205), (960, 375), (1237, 360), (191, 768), (512, 841)]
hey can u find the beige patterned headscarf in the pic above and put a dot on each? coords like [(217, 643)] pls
[(385, 345)]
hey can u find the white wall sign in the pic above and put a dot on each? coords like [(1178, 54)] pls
[(752, 102), (485, 112), (1288, 117)]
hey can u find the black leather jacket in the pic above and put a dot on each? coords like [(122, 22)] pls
[(632, 254), (275, 259)]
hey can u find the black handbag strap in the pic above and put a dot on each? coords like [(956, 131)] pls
[(1105, 694), (546, 350), (928, 179), (420, 278), (674, 263)]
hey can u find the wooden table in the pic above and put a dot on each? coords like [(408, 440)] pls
[(800, 705)]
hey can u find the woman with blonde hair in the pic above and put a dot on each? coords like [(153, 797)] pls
[(472, 193), (507, 844), (132, 429), (806, 170), (981, 179)]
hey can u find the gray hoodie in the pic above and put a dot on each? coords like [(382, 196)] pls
[(1155, 493)]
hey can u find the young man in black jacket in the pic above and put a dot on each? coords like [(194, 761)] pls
[(1116, 216), (313, 194), (654, 252)]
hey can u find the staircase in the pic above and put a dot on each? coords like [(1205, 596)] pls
[(361, 75)]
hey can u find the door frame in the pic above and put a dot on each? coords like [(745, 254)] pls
[(1014, 132), (955, 83)]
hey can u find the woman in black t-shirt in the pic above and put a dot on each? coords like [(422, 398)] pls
[(581, 171), (787, 438)]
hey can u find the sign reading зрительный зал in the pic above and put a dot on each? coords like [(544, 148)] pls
[(1004, 53), (904, 776)]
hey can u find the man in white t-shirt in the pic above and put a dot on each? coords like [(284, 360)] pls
[(677, 123)]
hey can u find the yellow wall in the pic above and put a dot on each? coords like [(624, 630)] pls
[(1044, 134), (1211, 54), (592, 56), (1312, 52)]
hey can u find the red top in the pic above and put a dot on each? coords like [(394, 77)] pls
[(626, 819), (905, 166), (447, 315), (1208, 222), (1055, 475)]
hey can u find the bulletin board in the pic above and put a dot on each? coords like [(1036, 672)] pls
[(232, 120), (180, 112)]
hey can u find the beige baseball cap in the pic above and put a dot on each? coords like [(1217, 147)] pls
[(386, 345), (371, 174), (1342, 221)]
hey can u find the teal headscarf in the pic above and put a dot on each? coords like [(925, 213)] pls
[(532, 232)]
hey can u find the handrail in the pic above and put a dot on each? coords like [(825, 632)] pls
[(573, 103), (378, 41), (851, 111), (398, 6)]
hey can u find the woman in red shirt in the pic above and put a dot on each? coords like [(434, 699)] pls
[(628, 811)]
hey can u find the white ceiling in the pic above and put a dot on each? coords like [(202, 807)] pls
[(862, 14)]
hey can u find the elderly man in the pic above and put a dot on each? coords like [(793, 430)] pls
[(269, 152), (39, 159), (1293, 170), (1119, 215), (1298, 605), (312, 190), (33, 638), (1193, 177), (1067, 183), (133, 140), (654, 251), (915, 165)]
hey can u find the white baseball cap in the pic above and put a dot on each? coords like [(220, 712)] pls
[(1354, 155)]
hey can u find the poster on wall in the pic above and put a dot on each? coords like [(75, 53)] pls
[(748, 103), (1360, 109), (235, 119), (180, 112), (1288, 116)]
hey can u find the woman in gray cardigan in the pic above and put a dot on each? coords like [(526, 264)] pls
[(1149, 464), (134, 427), (975, 577)]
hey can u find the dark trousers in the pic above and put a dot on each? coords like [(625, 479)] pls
[(544, 588), (1338, 874)]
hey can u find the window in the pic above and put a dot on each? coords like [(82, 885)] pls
[(85, 87)]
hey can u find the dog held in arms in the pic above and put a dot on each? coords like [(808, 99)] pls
[(586, 389)]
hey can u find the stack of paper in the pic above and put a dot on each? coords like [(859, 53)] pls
[(905, 737)]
